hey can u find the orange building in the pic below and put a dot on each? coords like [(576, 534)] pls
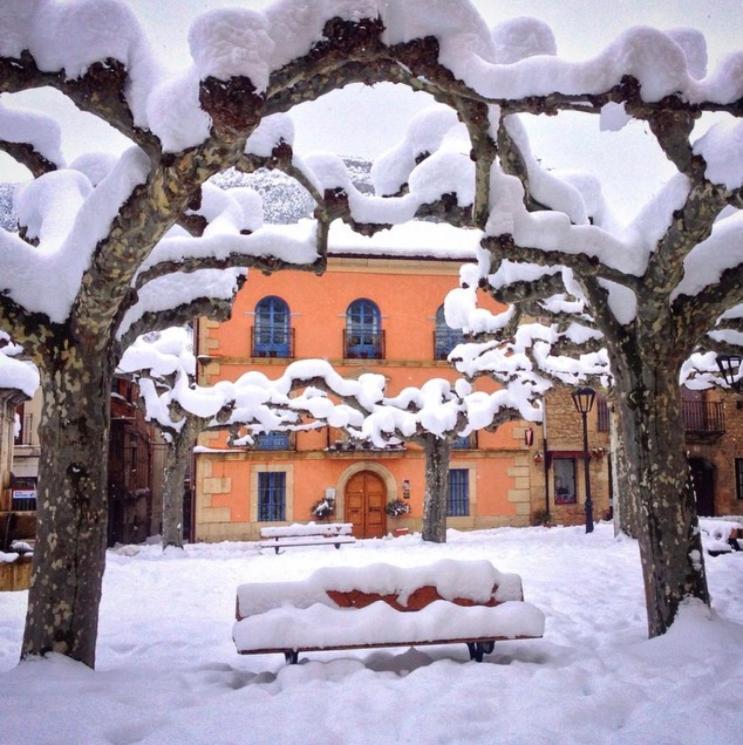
[(366, 315)]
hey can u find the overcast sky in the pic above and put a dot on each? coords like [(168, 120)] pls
[(364, 121)]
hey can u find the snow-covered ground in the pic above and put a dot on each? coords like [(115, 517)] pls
[(168, 671)]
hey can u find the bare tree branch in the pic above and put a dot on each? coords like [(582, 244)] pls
[(26, 155), (218, 309), (100, 91), (696, 313)]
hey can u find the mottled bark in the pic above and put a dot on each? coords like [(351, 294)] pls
[(667, 525), (177, 458), (436, 497), (624, 486), (69, 556)]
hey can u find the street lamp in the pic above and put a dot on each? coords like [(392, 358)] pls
[(729, 365), (583, 400)]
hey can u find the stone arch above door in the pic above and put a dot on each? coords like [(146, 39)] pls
[(340, 487)]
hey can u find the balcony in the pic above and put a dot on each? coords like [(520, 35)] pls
[(272, 343), (362, 345), (23, 503), (704, 420)]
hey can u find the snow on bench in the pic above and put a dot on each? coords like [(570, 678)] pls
[(721, 536), (381, 605), (309, 534)]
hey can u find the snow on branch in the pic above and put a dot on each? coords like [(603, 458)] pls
[(32, 139), (175, 299)]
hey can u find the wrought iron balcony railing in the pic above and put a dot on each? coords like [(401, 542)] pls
[(360, 345), (271, 343), (704, 417)]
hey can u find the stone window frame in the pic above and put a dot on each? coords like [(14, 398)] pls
[(288, 469), (463, 522)]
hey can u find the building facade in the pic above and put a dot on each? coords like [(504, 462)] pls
[(383, 316), (135, 468)]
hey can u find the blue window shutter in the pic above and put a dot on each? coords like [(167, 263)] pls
[(271, 496), (363, 330), (272, 333), (459, 492), (445, 337)]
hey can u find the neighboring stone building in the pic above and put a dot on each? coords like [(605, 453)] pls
[(714, 438), (10, 399), (18, 381), (135, 467)]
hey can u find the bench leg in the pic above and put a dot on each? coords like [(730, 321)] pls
[(337, 545), (276, 549), (478, 649), (475, 651), (291, 656)]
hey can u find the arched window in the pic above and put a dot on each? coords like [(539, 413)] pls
[(444, 337), (271, 332), (363, 337)]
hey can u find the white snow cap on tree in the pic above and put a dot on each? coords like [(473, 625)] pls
[(16, 373)]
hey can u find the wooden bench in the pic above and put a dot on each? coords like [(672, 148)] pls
[(310, 534), (380, 605)]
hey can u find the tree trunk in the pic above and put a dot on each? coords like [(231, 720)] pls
[(177, 458), (69, 556), (437, 488), (624, 487), (667, 526)]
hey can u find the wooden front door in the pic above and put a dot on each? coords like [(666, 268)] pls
[(366, 497), (703, 475)]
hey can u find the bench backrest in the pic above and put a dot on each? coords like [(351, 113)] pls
[(403, 588), (307, 529)]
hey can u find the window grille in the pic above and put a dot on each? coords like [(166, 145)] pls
[(271, 496), (459, 492)]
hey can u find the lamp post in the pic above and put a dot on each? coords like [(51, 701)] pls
[(583, 400), (729, 365)]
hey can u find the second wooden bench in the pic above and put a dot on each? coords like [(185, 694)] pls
[(309, 534)]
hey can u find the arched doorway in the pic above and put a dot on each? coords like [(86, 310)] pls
[(703, 475), (365, 498)]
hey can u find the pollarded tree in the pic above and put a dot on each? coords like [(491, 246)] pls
[(98, 261), (164, 366), (653, 292), (438, 413)]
